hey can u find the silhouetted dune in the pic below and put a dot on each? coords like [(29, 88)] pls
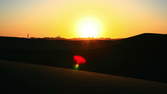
[(142, 56), (149, 35), (19, 78)]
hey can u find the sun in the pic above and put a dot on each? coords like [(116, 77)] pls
[(89, 27)]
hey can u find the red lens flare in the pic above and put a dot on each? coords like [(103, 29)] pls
[(79, 59)]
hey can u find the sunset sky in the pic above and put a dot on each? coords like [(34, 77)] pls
[(68, 18)]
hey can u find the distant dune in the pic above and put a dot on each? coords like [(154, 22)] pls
[(17, 77), (149, 35), (141, 56)]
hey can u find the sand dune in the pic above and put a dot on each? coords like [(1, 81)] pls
[(28, 78)]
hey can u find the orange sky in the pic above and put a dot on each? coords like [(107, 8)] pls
[(52, 18)]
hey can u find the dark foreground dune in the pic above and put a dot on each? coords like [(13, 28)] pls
[(28, 78), (142, 56)]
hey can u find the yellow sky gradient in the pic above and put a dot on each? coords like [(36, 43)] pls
[(120, 19)]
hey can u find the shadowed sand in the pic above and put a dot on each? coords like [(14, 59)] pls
[(28, 78)]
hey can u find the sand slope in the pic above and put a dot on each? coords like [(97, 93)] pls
[(28, 78)]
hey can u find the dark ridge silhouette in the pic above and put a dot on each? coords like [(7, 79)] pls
[(148, 36), (142, 56)]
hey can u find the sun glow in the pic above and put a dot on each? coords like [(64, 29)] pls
[(89, 27)]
